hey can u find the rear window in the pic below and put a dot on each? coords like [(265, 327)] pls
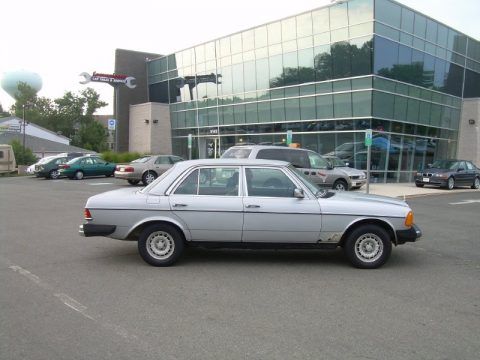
[(297, 158), (236, 153)]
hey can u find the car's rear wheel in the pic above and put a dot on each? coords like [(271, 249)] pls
[(149, 177), (450, 183), (79, 175), (54, 174), (133, 182), (160, 245), (419, 185), (368, 246), (476, 183), (340, 185)]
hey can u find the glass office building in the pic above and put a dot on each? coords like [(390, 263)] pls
[(327, 75)]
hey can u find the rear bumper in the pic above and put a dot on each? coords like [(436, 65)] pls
[(410, 235), (88, 230), (127, 176)]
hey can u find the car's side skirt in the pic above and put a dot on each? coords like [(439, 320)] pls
[(260, 245)]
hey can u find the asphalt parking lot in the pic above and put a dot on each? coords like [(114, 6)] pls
[(67, 297)]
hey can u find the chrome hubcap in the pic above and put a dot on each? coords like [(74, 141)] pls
[(149, 178), (477, 183), (369, 247), (340, 187), (450, 183), (160, 245)]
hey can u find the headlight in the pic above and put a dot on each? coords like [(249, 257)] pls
[(440, 175)]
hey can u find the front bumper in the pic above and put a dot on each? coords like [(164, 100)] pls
[(436, 181), (410, 235), (88, 230)]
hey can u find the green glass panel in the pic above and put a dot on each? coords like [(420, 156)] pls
[(289, 29), (323, 62), (292, 109), (239, 114), (400, 110), (388, 12), (306, 70), (264, 111), (407, 20), (261, 37), (413, 110), (360, 11), (250, 76), (324, 106), (321, 20), (262, 74), (278, 110), (274, 33), (323, 88), (383, 104), (304, 25), (420, 25), (248, 40), (361, 30), (251, 113), (276, 71), (338, 16), (307, 108), (362, 103), (362, 83)]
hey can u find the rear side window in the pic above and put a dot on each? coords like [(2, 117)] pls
[(237, 154), (297, 158)]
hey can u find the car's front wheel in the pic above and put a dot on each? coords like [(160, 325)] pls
[(368, 246), (340, 185), (450, 183), (160, 244), (476, 183)]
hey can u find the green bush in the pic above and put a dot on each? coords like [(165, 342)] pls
[(22, 157), (120, 158)]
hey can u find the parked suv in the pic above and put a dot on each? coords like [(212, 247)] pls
[(316, 167)]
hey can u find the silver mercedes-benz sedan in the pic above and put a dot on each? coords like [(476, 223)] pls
[(244, 203)]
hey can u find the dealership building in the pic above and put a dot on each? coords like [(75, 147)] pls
[(323, 76)]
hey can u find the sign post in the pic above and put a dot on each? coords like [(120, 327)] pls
[(368, 144), (289, 137), (189, 146)]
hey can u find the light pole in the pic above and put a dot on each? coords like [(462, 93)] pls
[(24, 123)]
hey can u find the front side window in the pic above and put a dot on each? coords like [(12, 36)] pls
[(317, 162), (164, 160), (469, 165), (268, 182)]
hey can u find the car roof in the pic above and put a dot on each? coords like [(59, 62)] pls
[(261, 147), (230, 162)]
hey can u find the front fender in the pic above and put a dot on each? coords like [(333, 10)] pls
[(366, 219)]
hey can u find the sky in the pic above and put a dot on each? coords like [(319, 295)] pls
[(60, 39)]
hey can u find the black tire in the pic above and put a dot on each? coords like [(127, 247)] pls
[(53, 174), (78, 175), (368, 246), (419, 185), (476, 183), (149, 177), (450, 183), (160, 244), (133, 182), (340, 185)]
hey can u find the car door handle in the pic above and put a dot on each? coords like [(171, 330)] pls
[(313, 173), (306, 172), (179, 205), (252, 206)]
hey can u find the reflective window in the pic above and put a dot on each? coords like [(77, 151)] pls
[(306, 71), (341, 59), (321, 20), (361, 53), (386, 55), (239, 114), (472, 84), (237, 78), (292, 109), (189, 186), (274, 33), (420, 25), (388, 12), (342, 104), (248, 40), (324, 107), (236, 43), (249, 76), (307, 108), (290, 68), (261, 37), (383, 104), (360, 11), (304, 25), (289, 29), (407, 20), (338, 16), (431, 31), (400, 109), (264, 111), (362, 103), (323, 63), (262, 74), (276, 70), (278, 110)]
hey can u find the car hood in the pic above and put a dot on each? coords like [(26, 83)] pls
[(435, 170), (360, 203), (130, 198)]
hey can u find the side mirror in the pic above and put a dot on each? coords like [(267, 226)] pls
[(298, 193), (348, 164)]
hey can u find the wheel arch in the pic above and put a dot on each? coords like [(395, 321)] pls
[(138, 228), (370, 221), (149, 171)]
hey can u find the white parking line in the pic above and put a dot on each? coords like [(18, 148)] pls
[(93, 184), (71, 302), (465, 202)]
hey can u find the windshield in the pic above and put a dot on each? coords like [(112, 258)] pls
[(307, 182), (142, 159), (444, 164), (336, 162)]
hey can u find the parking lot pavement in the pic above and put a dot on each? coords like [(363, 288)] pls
[(67, 297)]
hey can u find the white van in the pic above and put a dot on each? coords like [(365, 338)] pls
[(7, 159)]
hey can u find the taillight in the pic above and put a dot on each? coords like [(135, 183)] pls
[(128, 169), (87, 214)]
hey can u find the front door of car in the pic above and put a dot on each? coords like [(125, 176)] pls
[(462, 177), (209, 204), (88, 167), (273, 214)]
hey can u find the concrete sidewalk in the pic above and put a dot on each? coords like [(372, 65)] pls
[(408, 190)]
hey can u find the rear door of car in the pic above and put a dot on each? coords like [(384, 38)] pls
[(208, 202), (273, 214)]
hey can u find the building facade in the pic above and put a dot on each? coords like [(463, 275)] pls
[(327, 75)]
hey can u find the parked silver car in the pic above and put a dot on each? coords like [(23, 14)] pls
[(339, 166), (315, 166), (248, 204), (146, 168)]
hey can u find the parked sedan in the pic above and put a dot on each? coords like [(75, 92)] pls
[(226, 203), (83, 166), (146, 169), (449, 174)]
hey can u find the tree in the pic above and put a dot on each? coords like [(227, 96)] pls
[(3, 113), (22, 156), (70, 115)]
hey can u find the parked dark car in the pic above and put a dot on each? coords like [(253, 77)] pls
[(83, 166), (49, 169), (449, 174)]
